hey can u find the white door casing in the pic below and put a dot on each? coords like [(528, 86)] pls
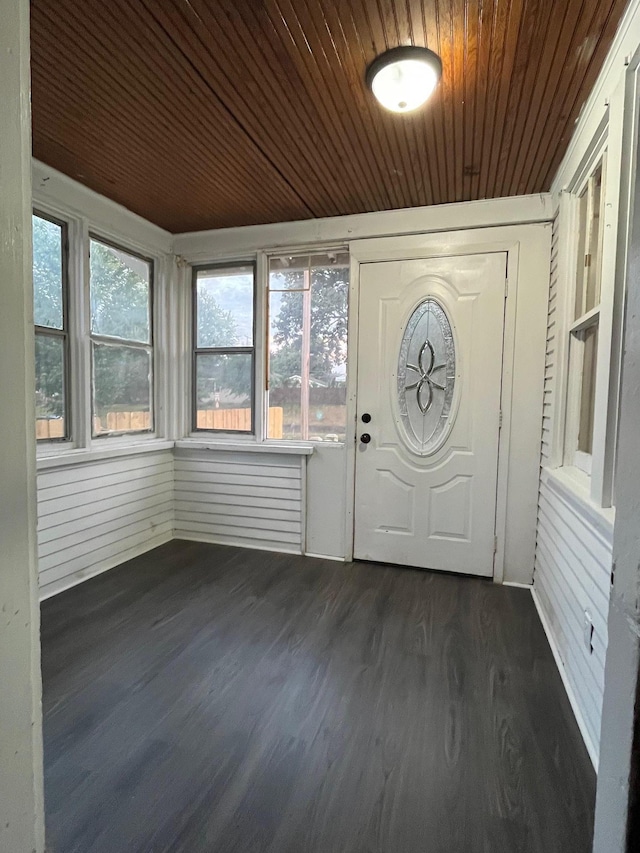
[(426, 497)]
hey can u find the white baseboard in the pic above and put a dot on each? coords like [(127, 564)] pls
[(517, 584), (208, 539), (324, 557), (591, 747), (75, 579), (81, 577)]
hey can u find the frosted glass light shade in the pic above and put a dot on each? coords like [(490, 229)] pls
[(403, 78)]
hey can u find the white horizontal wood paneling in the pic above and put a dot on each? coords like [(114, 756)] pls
[(96, 515), (573, 574), (205, 245), (326, 501), (552, 351), (235, 498), (573, 554)]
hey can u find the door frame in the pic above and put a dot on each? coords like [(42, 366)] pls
[(523, 362)]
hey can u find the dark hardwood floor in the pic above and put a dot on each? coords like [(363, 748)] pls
[(205, 698)]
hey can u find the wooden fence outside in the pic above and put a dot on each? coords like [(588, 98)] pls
[(236, 420), (122, 422), (50, 428)]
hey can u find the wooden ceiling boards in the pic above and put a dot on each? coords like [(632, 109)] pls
[(203, 114)]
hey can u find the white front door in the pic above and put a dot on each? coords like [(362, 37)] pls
[(429, 385)]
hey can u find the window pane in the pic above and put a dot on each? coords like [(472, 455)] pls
[(225, 307), (50, 387), (308, 353), (47, 273), (587, 396), (120, 294), (289, 273), (583, 241), (589, 260), (595, 247), (223, 391), (121, 389), (285, 364)]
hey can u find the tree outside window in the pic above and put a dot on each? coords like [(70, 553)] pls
[(308, 318), (224, 348), (583, 331), (121, 340), (51, 332)]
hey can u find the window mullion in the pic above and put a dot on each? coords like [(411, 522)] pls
[(586, 320), (306, 356), (223, 350), (261, 343), (53, 333), (81, 319), (106, 340)]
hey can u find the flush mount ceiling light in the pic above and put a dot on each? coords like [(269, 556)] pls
[(403, 78)]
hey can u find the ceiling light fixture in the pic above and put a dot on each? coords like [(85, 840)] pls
[(403, 78)]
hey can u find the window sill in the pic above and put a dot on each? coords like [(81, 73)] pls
[(334, 444), (78, 456), (571, 485), (244, 447)]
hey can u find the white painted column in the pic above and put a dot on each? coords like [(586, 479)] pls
[(620, 738), (21, 797)]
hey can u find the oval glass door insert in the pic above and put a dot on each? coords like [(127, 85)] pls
[(426, 377)]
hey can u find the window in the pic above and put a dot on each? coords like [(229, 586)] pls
[(224, 354), (583, 332), (308, 300), (51, 328), (121, 340)]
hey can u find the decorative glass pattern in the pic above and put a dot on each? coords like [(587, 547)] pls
[(426, 376)]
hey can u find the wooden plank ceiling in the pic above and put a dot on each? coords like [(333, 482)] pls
[(212, 113)]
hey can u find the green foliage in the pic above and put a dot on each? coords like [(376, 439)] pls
[(217, 376), (120, 308), (49, 376), (216, 328), (225, 309), (121, 379), (328, 330), (223, 379), (120, 304), (48, 312), (47, 273)]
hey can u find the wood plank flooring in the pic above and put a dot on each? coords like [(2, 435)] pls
[(206, 698)]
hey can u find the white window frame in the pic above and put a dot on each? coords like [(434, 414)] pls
[(185, 378), (64, 333), (109, 340), (310, 249), (256, 402), (82, 444), (615, 133), (587, 318)]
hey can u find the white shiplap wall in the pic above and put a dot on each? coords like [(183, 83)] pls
[(95, 515), (552, 350), (251, 499), (573, 575), (573, 556)]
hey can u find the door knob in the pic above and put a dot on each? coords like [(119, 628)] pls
[(365, 438), (366, 418)]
